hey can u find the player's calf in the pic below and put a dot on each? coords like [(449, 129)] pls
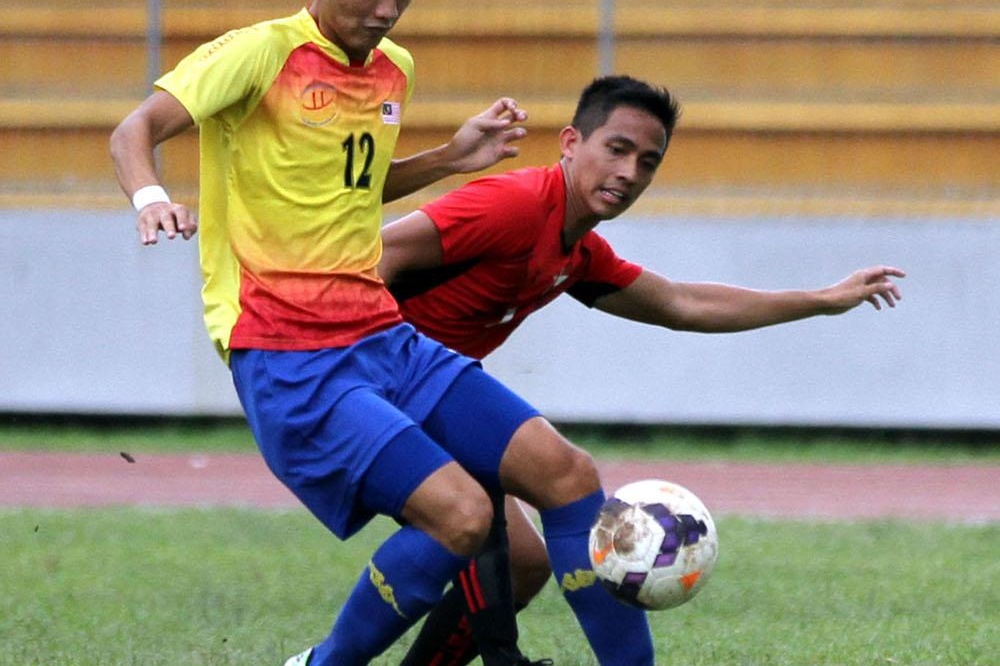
[(529, 560)]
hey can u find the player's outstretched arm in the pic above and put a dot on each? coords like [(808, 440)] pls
[(481, 142), (157, 119), (708, 307)]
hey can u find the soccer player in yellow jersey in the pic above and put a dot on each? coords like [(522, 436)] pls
[(352, 409)]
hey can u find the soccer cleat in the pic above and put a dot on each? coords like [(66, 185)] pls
[(515, 658), (300, 659)]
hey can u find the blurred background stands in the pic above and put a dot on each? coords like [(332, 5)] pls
[(817, 136), (789, 105)]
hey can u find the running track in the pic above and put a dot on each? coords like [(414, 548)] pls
[(966, 494)]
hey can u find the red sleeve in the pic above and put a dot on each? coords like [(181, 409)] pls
[(492, 216), (606, 272)]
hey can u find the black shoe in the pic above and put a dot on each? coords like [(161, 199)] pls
[(512, 656)]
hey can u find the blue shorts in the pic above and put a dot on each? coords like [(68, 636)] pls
[(353, 431)]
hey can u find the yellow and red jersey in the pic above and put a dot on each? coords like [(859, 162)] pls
[(296, 142)]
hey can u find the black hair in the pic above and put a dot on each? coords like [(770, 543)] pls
[(606, 93)]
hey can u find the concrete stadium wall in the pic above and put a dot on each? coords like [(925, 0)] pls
[(93, 323)]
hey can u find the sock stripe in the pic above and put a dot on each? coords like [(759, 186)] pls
[(473, 591), (476, 585), (470, 602)]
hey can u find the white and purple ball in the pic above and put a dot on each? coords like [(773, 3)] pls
[(653, 544)]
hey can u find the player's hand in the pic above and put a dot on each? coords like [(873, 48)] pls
[(873, 284), (487, 138), (170, 218)]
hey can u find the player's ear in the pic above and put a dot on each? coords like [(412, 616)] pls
[(569, 138)]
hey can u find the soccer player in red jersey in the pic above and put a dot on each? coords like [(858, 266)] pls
[(469, 267)]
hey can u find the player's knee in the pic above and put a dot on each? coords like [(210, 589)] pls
[(452, 508), (466, 524), (545, 469), (576, 476)]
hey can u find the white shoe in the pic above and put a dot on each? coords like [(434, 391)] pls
[(300, 659)]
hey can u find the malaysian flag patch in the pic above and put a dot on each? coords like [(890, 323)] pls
[(390, 113)]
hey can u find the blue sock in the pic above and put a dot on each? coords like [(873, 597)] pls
[(406, 577), (618, 634)]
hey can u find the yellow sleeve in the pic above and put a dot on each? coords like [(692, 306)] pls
[(227, 76)]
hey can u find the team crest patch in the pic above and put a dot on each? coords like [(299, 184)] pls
[(316, 104), (391, 113)]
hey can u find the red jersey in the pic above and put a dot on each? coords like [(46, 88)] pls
[(504, 258)]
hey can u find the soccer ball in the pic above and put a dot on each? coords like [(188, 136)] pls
[(653, 544)]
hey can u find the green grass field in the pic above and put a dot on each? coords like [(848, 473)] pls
[(132, 586), (226, 587)]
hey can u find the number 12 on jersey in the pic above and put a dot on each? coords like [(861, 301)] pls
[(364, 147)]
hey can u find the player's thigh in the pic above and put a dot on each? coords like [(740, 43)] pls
[(475, 420), (344, 450), (544, 468), (416, 481)]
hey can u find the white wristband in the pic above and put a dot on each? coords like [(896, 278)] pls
[(147, 195)]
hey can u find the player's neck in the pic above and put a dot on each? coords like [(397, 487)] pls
[(578, 219), (576, 227)]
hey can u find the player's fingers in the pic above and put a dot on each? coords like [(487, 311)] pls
[(148, 230), (168, 223), (887, 289), (509, 105), (489, 124), (884, 292), (873, 273), (515, 113), (502, 106), (147, 237), (187, 224), (515, 134), (154, 217), (505, 112)]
